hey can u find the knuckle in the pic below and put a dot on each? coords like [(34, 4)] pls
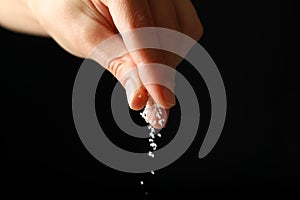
[(140, 19), (115, 67)]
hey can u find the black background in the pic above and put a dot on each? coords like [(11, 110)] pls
[(253, 43)]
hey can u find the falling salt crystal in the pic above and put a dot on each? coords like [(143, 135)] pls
[(151, 140), (158, 134), (152, 135), (151, 154), (152, 172), (142, 183), (153, 144)]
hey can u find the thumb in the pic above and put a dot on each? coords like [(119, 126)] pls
[(113, 55)]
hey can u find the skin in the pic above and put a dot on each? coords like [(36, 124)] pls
[(93, 21)]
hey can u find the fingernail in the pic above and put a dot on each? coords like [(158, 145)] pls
[(169, 97)]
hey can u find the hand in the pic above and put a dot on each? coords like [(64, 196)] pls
[(80, 25)]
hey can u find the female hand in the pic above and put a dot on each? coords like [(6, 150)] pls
[(80, 25)]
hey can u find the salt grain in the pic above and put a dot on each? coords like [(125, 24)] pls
[(152, 135), (161, 121), (160, 112), (151, 154), (153, 145)]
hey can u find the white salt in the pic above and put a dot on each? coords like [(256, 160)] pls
[(152, 135), (153, 114), (153, 145), (161, 121), (160, 112), (151, 154)]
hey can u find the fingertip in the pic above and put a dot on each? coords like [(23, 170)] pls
[(168, 98), (163, 96), (139, 99)]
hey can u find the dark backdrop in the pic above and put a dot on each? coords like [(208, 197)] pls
[(253, 43)]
